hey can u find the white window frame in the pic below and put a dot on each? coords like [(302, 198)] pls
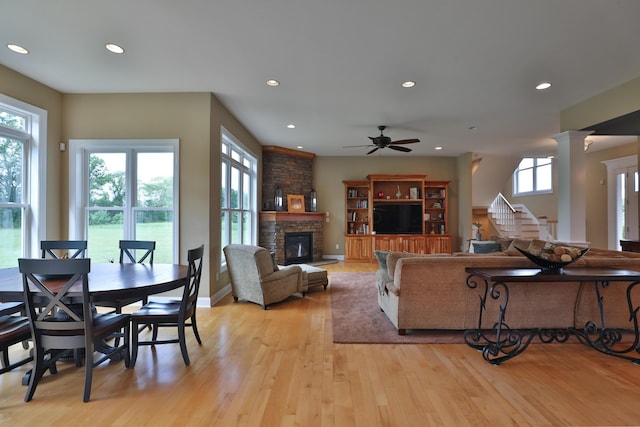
[(252, 170), (535, 168), (79, 150), (34, 173)]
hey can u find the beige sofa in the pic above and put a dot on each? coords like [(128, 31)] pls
[(430, 292)]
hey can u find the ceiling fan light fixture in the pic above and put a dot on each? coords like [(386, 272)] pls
[(17, 49), (543, 85), (409, 83)]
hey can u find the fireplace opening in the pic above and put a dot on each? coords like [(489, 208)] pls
[(298, 248)]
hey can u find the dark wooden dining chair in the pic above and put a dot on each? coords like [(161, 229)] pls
[(131, 251), (61, 324), (13, 330), (56, 249), (175, 314)]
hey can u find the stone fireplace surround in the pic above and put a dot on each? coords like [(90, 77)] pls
[(274, 226), (292, 171)]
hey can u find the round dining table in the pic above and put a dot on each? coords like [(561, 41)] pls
[(109, 281)]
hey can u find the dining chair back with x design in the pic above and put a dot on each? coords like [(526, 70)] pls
[(137, 251), (174, 314), (61, 324), (56, 249)]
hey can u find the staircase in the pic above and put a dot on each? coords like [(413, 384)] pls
[(517, 221)]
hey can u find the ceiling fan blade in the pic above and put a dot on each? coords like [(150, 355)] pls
[(372, 151), (406, 141), (404, 149)]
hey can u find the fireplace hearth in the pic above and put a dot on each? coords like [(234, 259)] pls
[(298, 248)]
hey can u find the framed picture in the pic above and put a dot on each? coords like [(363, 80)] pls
[(295, 203)]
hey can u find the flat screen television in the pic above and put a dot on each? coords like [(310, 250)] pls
[(397, 218)]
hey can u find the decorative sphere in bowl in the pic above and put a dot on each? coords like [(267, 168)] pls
[(554, 256)]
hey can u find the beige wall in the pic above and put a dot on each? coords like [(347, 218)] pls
[(329, 172), (24, 89)]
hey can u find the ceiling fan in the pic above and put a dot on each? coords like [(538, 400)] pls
[(383, 141)]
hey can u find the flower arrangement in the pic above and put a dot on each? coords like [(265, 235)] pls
[(477, 225)]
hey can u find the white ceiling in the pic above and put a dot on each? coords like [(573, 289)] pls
[(341, 63)]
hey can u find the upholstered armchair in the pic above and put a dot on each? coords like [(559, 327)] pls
[(257, 278)]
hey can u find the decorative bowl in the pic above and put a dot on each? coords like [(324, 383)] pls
[(549, 258)]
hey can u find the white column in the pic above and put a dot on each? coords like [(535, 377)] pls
[(571, 186)]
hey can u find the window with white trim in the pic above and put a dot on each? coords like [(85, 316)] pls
[(22, 173), (124, 189), (238, 195), (533, 176)]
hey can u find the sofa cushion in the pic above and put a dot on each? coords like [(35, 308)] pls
[(486, 247), (393, 257)]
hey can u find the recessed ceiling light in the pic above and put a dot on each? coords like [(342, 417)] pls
[(473, 128), (543, 85), (291, 126), (409, 83), (273, 83), (438, 148), (114, 48), (299, 147), (17, 49)]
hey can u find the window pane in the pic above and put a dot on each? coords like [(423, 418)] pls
[(246, 191), (225, 186), (13, 120), (155, 179), (104, 233), (235, 188), (157, 225), (246, 227), (235, 228), (225, 230), (526, 163), (543, 178), (525, 181), (107, 179), (10, 236), (11, 170), (543, 161), (235, 155)]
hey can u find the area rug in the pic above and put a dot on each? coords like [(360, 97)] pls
[(356, 317)]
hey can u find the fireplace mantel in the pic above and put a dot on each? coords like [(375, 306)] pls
[(278, 216)]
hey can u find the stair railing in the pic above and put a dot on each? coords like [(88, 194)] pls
[(504, 215)]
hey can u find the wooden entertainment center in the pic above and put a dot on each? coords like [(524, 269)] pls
[(405, 213)]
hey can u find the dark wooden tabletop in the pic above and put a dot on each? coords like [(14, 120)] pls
[(109, 281)]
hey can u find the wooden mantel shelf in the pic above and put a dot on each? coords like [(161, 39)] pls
[(277, 216)]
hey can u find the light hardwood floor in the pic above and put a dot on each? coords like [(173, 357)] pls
[(280, 368)]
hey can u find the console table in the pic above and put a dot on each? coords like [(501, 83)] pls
[(502, 343)]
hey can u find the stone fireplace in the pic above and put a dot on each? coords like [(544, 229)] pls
[(291, 171), (274, 226)]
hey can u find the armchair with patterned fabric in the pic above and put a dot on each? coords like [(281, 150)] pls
[(255, 277)]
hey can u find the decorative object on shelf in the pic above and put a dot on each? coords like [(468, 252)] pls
[(380, 194), (398, 193), (477, 230), (437, 205), (295, 203), (553, 257), (314, 200), (278, 199), (414, 193)]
